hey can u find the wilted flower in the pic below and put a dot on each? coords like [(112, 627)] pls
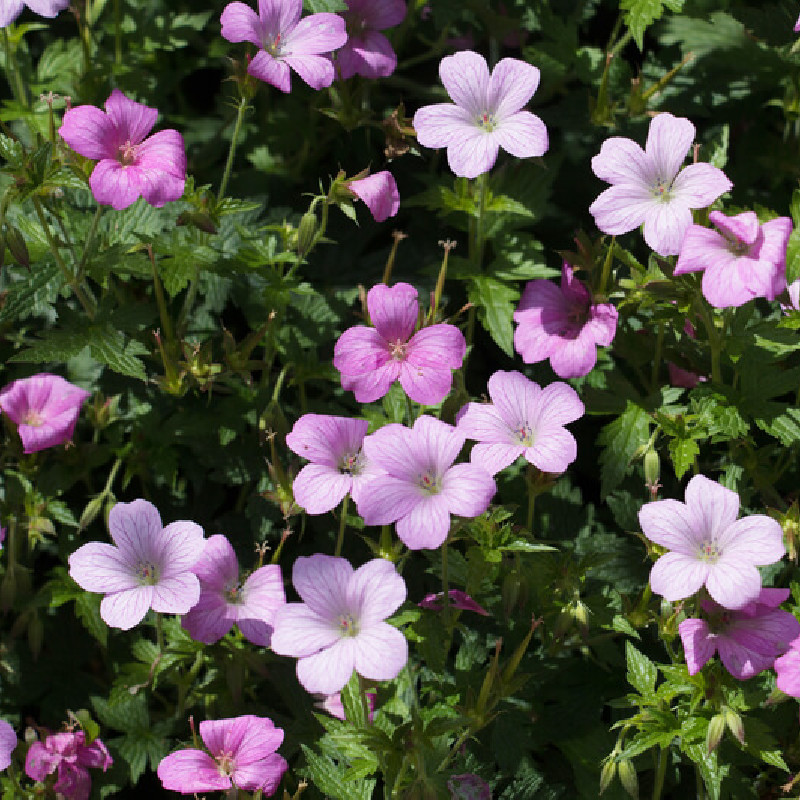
[(458, 599), (11, 9), (379, 192), (368, 52)]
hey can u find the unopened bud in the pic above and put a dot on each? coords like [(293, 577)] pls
[(628, 777), (735, 724), (17, 247), (607, 774), (306, 232), (93, 508), (652, 467), (714, 733)]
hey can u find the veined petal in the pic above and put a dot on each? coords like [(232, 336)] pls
[(218, 565), (90, 132), (554, 449), (757, 539), (135, 527), (440, 345), (472, 152), (299, 631), (435, 443), (264, 774), (241, 24), (325, 439), (573, 357), (361, 349), (465, 76), (393, 311), (701, 247), (437, 125), (387, 499), (381, 651), (316, 71), (328, 671), (623, 208), (495, 457), (259, 737), (665, 225), (271, 70), (164, 151), (181, 546), (676, 576), (732, 282), (114, 185), (515, 398), (698, 644), (787, 668), (482, 422), (370, 55), (523, 135), (158, 187), (375, 591), (318, 488), (100, 567), (713, 506), (558, 404), (426, 385), (280, 16), (699, 185), (732, 582), (671, 524), (188, 771), (379, 14), (321, 582), (132, 120), (668, 141), (209, 619), (392, 448), (379, 193), (621, 160), (468, 489), (426, 525), (176, 594), (370, 386), (511, 86), (127, 608), (315, 34)]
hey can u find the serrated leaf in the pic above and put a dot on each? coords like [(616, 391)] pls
[(683, 453), (640, 14), (353, 703), (129, 713), (330, 779), (87, 607), (642, 672), (30, 294), (495, 303)]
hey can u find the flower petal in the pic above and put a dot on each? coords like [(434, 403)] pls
[(114, 185), (132, 120), (316, 71), (314, 34), (271, 70), (621, 160), (437, 125), (319, 488), (676, 576), (668, 141), (299, 631), (465, 76), (665, 226), (623, 208), (699, 645), (733, 583), (393, 311), (375, 591), (321, 582), (699, 185), (100, 567), (713, 506), (127, 608), (511, 86), (241, 24), (427, 524), (523, 135), (218, 565), (468, 489), (176, 594), (135, 527), (380, 652), (329, 670), (90, 132), (189, 771), (472, 152), (757, 539), (673, 525)]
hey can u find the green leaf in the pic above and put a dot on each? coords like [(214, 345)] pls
[(502, 202), (642, 672), (640, 14), (129, 713), (87, 607), (620, 440), (330, 778), (353, 702), (317, 6), (683, 453), (495, 303), (31, 294)]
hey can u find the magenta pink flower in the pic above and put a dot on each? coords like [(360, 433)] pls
[(11, 9), (284, 41), (563, 325), (522, 420), (338, 465), (740, 261), (458, 599), (748, 640), (709, 546), (226, 600), (367, 52), (129, 165), (8, 742), (372, 359), (242, 754), (68, 753), (45, 409), (339, 627), (787, 669), (797, 25), (421, 487), (379, 192), (486, 116), (147, 567), (649, 187)]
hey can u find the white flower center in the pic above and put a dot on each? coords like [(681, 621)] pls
[(274, 47), (351, 463), (33, 418), (225, 763), (709, 552), (662, 191), (487, 121), (127, 153)]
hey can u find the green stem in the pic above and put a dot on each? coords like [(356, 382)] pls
[(342, 527), (89, 239), (477, 237), (117, 33), (160, 632), (661, 771), (657, 359), (161, 301), (445, 588), (232, 149), (437, 292), (606, 273), (714, 343)]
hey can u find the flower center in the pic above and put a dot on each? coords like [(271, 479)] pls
[(662, 192), (429, 482), (524, 435), (148, 573), (398, 350), (347, 625), (709, 552), (127, 153), (274, 47), (233, 593), (225, 763), (33, 418), (487, 121), (351, 463)]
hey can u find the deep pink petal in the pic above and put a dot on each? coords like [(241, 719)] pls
[(701, 247), (264, 774), (369, 54), (573, 357), (209, 619), (299, 631), (381, 652), (8, 742), (127, 608), (787, 668), (741, 227), (523, 135), (731, 282), (465, 76), (360, 349), (279, 16), (426, 385), (241, 24), (100, 567), (218, 566), (88, 131), (393, 311), (379, 192), (316, 71), (512, 84), (261, 597), (271, 70), (676, 576), (440, 344), (114, 185), (379, 14), (698, 644), (328, 671), (313, 35), (375, 591), (321, 582), (436, 125), (132, 120), (190, 771)]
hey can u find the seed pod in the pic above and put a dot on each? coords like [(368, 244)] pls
[(17, 247), (306, 232), (652, 467)]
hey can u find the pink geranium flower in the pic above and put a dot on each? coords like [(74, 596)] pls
[(649, 187), (748, 640), (739, 261), (372, 359), (458, 599), (129, 165), (522, 420), (286, 41), (338, 465), (421, 487), (68, 753), (379, 192), (367, 51), (709, 546), (787, 669), (147, 566), (242, 754), (562, 324), (486, 116), (11, 9), (339, 627), (45, 409), (8, 742), (226, 601)]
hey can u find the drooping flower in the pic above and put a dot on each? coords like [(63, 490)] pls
[(338, 465), (129, 165), (458, 599), (748, 640), (485, 114), (468, 787), (522, 420), (741, 260), (372, 359), (379, 192), (68, 753), (242, 754), (8, 742), (284, 41), (339, 627), (147, 566), (421, 487), (225, 600), (649, 187), (11, 9), (709, 546), (45, 408), (368, 52), (562, 324)]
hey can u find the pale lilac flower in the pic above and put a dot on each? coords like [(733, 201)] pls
[(284, 41), (486, 116), (709, 546), (748, 640), (379, 192), (649, 186), (372, 359), (45, 409), (458, 599), (129, 165), (421, 487), (147, 567), (739, 261), (793, 289), (11, 9), (368, 52), (339, 627), (242, 754), (225, 600), (562, 324), (468, 787), (522, 420), (68, 753), (8, 741), (787, 670)]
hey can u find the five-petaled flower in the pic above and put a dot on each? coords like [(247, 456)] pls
[(486, 115), (368, 52), (11, 9)]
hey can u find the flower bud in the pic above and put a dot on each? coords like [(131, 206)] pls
[(628, 777), (306, 232), (735, 724), (17, 247), (714, 733), (607, 774), (652, 467)]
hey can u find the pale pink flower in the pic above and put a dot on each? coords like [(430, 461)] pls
[(458, 599), (242, 754), (368, 52), (45, 409), (8, 742), (522, 420), (226, 600), (11, 9), (284, 40), (740, 261), (486, 116), (422, 487), (339, 627), (709, 546), (379, 192), (787, 670), (372, 359), (562, 324), (748, 640), (129, 165), (793, 289), (148, 566), (797, 25), (649, 187)]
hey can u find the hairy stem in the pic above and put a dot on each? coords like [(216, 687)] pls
[(232, 149)]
